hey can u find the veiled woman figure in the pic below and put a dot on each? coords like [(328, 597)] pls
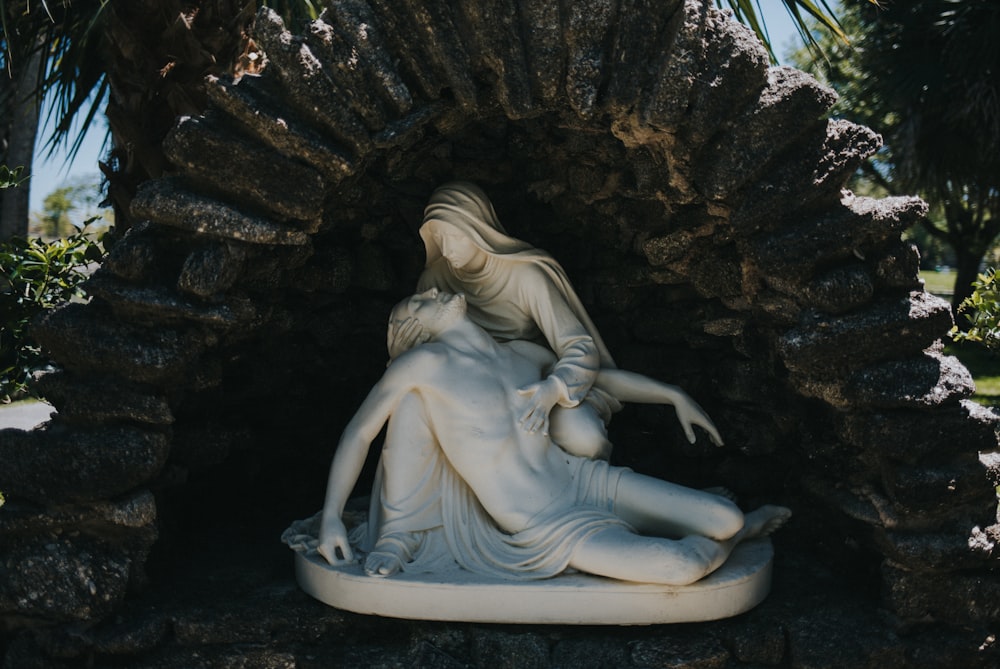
[(515, 291)]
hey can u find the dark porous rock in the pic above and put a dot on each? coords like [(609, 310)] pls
[(211, 269), (809, 174), (962, 480), (924, 382), (681, 246), (354, 22), (755, 639), (927, 551), (99, 399), (130, 633), (134, 511), (165, 306), (948, 647), (493, 29), (590, 650), (733, 72), (23, 651), (83, 464), (168, 202), (911, 436), (62, 578), (92, 343), (273, 267), (136, 256), (435, 38), (885, 329), (412, 67), (832, 634), (991, 464), (544, 48), (838, 234), (900, 267), (957, 598), (256, 111), (680, 651), (339, 61), (840, 290), (218, 626), (664, 103), (589, 27), (308, 89), (790, 103), (497, 647), (329, 270), (640, 23), (205, 151)]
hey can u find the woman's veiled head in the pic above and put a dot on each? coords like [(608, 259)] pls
[(460, 211)]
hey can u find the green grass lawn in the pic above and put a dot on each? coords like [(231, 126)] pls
[(939, 283), (985, 369)]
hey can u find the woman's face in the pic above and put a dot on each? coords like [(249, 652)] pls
[(458, 250)]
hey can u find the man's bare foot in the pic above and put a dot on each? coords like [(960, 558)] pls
[(391, 552), (382, 563), (765, 520)]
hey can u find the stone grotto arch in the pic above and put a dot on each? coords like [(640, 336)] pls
[(694, 196)]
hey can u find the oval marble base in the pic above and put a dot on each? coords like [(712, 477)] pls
[(574, 599)]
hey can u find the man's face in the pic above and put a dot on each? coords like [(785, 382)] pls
[(436, 310)]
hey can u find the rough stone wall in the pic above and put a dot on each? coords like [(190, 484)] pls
[(693, 194)]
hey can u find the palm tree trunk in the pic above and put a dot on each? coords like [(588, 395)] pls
[(21, 131), (967, 268)]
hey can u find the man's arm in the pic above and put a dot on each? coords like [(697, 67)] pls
[(352, 450), (628, 386)]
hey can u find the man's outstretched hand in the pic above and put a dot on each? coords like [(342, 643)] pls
[(333, 537)]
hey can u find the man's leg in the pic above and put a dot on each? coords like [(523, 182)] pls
[(617, 553), (665, 509)]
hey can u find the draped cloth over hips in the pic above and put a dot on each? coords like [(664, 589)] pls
[(445, 527)]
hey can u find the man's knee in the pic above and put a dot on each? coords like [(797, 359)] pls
[(728, 519), (580, 431)]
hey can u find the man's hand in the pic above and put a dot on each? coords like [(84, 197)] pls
[(333, 536), (689, 413), (542, 396)]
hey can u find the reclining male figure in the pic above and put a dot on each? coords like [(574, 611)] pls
[(466, 384)]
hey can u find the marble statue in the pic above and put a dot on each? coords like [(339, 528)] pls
[(517, 292), (493, 478), (470, 475)]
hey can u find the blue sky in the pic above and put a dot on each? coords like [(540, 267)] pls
[(55, 171)]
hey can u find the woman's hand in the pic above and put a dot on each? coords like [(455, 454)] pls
[(333, 536), (542, 396), (409, 334)]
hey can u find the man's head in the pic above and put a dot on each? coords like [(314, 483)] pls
[(422, 317)]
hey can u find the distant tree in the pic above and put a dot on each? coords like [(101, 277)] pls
[(69, 207), (925, 75)]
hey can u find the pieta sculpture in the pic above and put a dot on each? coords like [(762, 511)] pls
[(494, 500)]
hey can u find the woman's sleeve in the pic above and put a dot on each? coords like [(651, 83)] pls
[(578, 358)]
